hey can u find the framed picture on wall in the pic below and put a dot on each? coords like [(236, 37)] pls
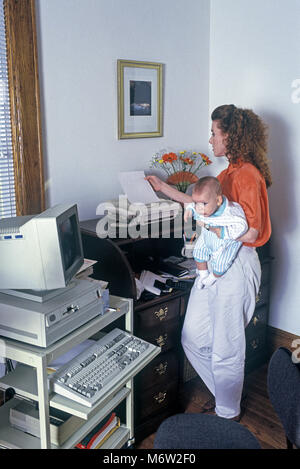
[(139, 99)]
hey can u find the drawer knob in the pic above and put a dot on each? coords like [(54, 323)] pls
[(254, 344), (255, 320), (257, 298), (160, 397), (161, 340), (162, 313), (161, 369)]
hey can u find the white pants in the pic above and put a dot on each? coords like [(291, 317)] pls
[(213, 335)]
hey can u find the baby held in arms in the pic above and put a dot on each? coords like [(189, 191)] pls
[(223, 222)]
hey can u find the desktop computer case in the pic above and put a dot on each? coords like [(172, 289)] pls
[(43, 323)]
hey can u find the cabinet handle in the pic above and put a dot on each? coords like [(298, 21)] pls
[(161, 369), (255, 320), (162, 313), (254, 344), (257, 298), (161, 340), (160, 397)]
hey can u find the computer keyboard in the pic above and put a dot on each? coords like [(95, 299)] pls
[(95, 371)]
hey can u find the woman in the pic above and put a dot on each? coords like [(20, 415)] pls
[(213, 335)]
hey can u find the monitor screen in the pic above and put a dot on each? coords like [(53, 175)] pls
[(41, 252), (69, 241)]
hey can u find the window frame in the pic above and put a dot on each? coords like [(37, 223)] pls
[(22, 58)]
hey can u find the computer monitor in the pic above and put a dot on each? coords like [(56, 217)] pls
[(40, 252)]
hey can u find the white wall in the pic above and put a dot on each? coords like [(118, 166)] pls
[(80, 42), (215, 52), (254, 59)]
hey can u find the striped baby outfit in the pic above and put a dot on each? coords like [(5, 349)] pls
[(221, 252)]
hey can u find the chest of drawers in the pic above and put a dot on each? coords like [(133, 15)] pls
[(156, 388), (256, 331)]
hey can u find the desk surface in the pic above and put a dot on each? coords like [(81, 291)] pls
[(166, 229)]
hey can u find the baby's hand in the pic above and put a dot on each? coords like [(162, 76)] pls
[(209, 280), (200, 223), (187, 214), (202, 275)]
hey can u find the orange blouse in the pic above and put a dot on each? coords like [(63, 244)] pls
[(243, 183)]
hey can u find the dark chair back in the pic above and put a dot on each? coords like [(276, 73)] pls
[(201, 431), (284, 393)]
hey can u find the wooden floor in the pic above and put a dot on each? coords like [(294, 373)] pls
[(258, 414)]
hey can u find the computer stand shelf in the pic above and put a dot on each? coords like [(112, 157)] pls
[(30, 381)]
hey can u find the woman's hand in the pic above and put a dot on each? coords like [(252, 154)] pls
[(155, 182), (169, 191), (250, 236)]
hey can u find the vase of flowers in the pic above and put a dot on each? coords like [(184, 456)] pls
[(181, 168)]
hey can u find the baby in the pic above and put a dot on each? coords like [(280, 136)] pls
[(213, 210)]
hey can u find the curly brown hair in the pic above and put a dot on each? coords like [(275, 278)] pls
[(246, 137)]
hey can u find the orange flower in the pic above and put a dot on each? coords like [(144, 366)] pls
[(173, 156), (205, 159), (188, 161), (169, 157)]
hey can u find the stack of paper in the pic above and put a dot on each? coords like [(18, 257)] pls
[(147, 280), (190, 265), (86, 269), (136, 188)]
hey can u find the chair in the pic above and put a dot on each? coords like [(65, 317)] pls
[(284, 393), (202, 431)]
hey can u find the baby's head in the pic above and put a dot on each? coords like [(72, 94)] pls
[(207, 196)]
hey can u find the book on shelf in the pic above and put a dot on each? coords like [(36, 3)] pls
[(25, 416), (100, 433)]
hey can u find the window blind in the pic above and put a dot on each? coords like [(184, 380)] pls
[(7, 183)]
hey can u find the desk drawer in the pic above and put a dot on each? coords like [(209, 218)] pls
[(265, 272), (263, 295), (166, 335), (258, 321), (156, 315), (162, 370), (256, 344), (151, 424), (156, 400)]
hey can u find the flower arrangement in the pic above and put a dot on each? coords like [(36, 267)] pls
[(181, 167)]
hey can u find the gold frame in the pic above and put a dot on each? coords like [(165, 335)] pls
[(122, 134)]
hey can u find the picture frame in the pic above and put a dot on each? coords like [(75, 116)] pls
[(139, 99)]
